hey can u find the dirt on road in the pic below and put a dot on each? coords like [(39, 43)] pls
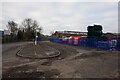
[(73, 62)]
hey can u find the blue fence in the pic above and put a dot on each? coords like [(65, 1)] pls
[(118, 44), (102, 43), (58, 40)]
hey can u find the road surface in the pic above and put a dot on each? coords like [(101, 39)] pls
[(73, 62)]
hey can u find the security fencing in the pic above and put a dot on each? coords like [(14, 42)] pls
[(102, 43)]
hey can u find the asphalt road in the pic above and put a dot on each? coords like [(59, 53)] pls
[(74, 62)]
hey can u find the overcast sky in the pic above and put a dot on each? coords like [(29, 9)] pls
[(54, 16)]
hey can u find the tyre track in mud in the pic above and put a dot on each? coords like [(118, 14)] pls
[(64, 65), (32, 51), (8, 69)]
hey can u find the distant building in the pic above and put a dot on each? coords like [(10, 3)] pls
[(112, 35), (7, 32), (61, 34), (4, 32)]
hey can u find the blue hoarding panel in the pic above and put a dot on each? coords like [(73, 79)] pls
[(103, 43)]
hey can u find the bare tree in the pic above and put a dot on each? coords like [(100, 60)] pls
[(12, 26), (35, 25), (30, 27), (27, 24), (30, 24)]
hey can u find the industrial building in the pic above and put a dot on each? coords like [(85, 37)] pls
[(60, 34)]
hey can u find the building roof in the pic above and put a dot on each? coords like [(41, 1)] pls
[(72, 32)]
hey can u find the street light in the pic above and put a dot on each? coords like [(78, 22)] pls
[(36, 30)]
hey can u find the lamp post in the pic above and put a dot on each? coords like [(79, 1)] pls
[(35, 40), (36, 36)]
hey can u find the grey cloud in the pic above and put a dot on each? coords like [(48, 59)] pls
[(62, 15)]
